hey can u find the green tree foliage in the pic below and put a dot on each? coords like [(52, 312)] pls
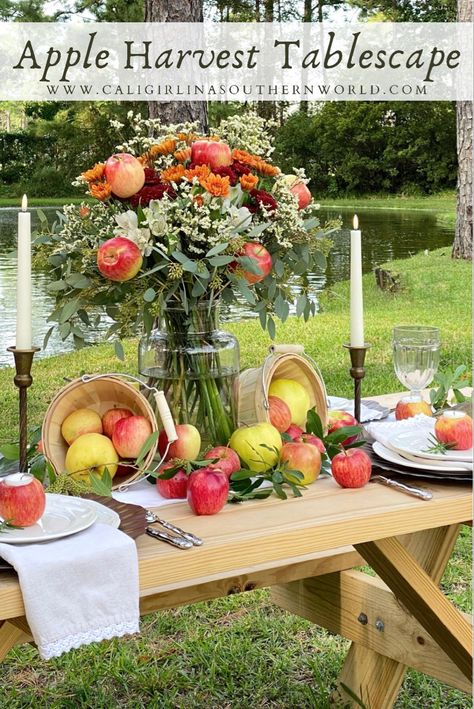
[(363, 147), (23, 11), (407, 10)]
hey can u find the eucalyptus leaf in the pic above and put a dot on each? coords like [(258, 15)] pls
[(147, 446), (119, 352), (149, 295)]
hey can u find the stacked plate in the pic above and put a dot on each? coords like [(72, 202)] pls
[(411, 451)]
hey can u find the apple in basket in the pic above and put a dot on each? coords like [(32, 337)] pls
[(187, 445), (211, 152), (303, 457), (111, 417), (279, 413), (410, 406), (257, 446), (455, 429), (351, 468), (22, 499), (125, 174), (339, 419), (130, 434), (79, 422), (225, 458), (208, 489), (174, 488), (119, 259), (295, 396), (294, 432), (91, 452)]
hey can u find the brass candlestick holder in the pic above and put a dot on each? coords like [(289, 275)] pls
[(357, 373), (23, 380)]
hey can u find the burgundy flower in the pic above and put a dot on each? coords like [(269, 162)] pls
[(261, 198), (151, 177), (149, 192), (227, 171), (240, 168)]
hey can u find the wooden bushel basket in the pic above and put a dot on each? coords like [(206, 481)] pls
[(99, 394), (282, 362)]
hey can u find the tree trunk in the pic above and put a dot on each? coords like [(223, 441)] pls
[(177, 11), (462, 247)]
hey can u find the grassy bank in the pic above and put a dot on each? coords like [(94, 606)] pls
[(444, 204), (242, 651), (40, 201)]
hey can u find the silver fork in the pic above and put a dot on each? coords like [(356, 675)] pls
[(152, 518)]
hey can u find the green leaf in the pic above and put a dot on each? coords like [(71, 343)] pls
[(56, 286), (242, 475), (249, 264), (10, 451), (149, 295), (271, 327), (101, 485), (47, 336), (341, 434), (280, 491), (301, 304), (68, 310), (221, 260), (118, 347), (314, 424), (147, 446), (78, 280), (217, 249)]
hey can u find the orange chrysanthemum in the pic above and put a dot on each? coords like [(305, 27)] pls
[(95, 174), (175, 173), (200, 171), (187, 137), (216, 185), (253, 161), (144, 159), (166, 147), (100, 190), (264, 168), (183, 155), (198, 200), (248, 182)]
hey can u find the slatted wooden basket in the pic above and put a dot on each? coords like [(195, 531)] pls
[(286, 362), (100, 395)]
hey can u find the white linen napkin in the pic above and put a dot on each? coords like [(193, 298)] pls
[(78, 590), (142, 493), (366, 413)]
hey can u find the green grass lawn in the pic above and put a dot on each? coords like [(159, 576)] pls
[(241, 651), (41, 201)]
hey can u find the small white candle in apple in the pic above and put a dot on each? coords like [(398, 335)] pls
[(23, 291), (357, 303)]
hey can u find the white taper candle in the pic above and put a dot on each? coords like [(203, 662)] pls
[(357, 303), (23, 290)]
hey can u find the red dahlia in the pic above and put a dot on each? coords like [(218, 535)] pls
[(261, 198)]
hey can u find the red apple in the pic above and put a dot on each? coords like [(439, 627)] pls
[(174, 488), (119, 259), (339, 419), (130, 434), (279, 413), (411, 406), (211, 152), (125, 174), (227, 459), (208, 489), (261, 257), (300, 190), (313, 441), (110, 418), (455, 427), (186, 447), (22, 499), (303, 457), (294, 432), (351, 468)]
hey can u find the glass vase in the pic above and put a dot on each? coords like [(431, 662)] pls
[(196, 364)]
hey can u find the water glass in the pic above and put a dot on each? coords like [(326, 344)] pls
[(416, 356)]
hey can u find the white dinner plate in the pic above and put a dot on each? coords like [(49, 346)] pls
[(417, 441), (393, 457), (63, 515)]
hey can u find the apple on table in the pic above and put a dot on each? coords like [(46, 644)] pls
[(173, 488), (340, 419), (351, 468), (303, 457), (409, 406), (226, 459), (454, 428), (22, 499), (258, 446), (208, 490)]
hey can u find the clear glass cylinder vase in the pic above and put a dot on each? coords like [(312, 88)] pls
[(196, 364)]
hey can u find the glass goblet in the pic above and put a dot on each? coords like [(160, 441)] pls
[(416, 356)]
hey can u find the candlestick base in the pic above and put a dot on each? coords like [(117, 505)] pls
[(23, 380), (357, 371)]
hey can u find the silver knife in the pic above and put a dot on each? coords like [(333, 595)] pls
[(407, 489), (169, 539)]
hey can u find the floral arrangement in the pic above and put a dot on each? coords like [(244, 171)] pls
[(199, 204)]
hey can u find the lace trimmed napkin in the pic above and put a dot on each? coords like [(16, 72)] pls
[(385, 430), (78, 590), (367, 413)]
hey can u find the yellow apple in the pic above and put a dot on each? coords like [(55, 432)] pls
[(295, 397), (79, 422), (91, 452), (247, 443)]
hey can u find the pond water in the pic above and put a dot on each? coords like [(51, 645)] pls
[(386, 235)]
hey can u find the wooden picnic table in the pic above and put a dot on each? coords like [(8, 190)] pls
[(306, 549)]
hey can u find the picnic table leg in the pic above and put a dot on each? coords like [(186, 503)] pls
[(13, 632), (372, 677)]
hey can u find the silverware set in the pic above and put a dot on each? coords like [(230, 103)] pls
[(179, 538)]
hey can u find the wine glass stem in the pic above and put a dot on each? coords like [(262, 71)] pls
[(415, 392)]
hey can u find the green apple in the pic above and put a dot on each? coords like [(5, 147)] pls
[(247, 443), (295, 397), (91, 452)]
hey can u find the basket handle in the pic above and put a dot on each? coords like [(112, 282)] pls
[(160, 399), (287, 349)]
